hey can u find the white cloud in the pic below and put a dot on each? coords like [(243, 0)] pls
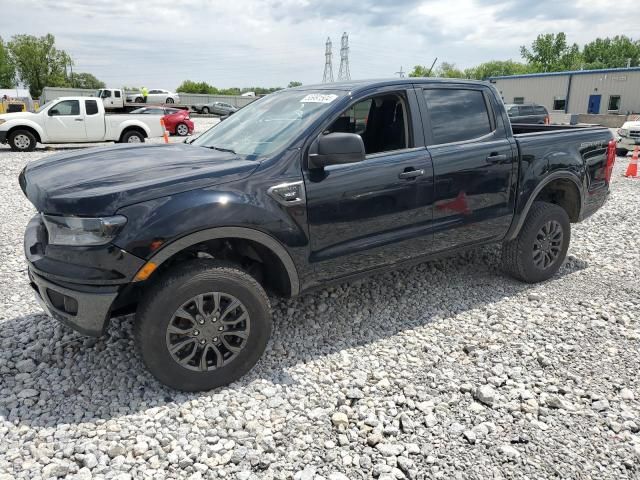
[(270, 42)]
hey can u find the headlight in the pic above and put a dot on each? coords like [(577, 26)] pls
[(623, 132), (81, 231)]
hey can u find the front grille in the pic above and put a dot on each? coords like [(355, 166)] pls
[(634, 133)]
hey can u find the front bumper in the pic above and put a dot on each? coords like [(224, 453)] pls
[(628, 142), (84, 309)]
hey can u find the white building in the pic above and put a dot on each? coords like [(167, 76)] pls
[(606, 91)]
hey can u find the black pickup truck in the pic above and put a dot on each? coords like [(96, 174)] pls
[(301, 188)]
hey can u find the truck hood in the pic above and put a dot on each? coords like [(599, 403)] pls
[(99, 181), (17, 115), (631, 125)]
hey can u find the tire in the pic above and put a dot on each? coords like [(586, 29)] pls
[(169, 100), (518, 254), (182, 130), (139, 100), (621, 152), (132, 136), (22, 141), (176, 292), (205, 110)]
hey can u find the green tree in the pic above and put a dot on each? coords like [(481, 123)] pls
[(38, 62), (420, 71), (550, 52), (7, 68), (496, 68), (86, 80), (189, 86), (611, 52), (294, 84), (449, 70)]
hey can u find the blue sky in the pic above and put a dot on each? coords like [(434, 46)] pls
[(271, 42)]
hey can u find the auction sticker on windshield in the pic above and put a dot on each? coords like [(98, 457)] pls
[(319, 98)]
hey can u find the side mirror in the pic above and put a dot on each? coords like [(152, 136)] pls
[(335, 149)]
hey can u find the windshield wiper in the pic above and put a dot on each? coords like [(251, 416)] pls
[(222, 149)]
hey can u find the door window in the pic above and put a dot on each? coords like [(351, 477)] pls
[(91, 106), (106, 94), (381, 122), (540, 110), (66, 107), (117, 93), (457, 114)]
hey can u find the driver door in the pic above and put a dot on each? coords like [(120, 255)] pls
[(65, 122), (378, 211)]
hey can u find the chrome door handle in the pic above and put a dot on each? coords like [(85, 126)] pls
[(410, 174)]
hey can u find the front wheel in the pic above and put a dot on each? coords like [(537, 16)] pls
[(22, 141), (621, 152), (205, 110), (203, 325), (540, 248), (139, 100), (169, 100), (182, 130)]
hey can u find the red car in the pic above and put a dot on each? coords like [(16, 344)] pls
[(179, 123)]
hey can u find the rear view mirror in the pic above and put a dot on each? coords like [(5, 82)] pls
[(335, 149)]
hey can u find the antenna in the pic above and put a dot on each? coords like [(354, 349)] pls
[(432, 65), (400, 73), (343, 73), (328, 66)]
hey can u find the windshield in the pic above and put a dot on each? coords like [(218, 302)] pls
[(45, 105), (269, 124)]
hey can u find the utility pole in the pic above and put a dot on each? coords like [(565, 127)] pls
[(400, 73), (343, 73), (328, 65)]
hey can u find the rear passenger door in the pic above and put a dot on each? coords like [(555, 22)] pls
[(93, 121), (474, 165)]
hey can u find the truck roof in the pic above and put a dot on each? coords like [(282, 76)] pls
[(357, 85)]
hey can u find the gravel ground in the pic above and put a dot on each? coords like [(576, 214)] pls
[(445, 370)]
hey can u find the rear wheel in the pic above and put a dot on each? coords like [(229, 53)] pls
[(139, 100), (169, 100), (132, 136), (538, 251), (622, 152), (205, 110), (203, 325), (182, 130), (22, 141)]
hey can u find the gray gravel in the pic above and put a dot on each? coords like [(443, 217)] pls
[(445, 370)]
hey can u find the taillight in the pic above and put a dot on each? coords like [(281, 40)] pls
[(547, 120), (611, 160)]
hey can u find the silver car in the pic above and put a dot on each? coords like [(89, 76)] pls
[(219, 108)]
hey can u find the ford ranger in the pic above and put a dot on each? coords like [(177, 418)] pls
[(301, 188), (74, 120)]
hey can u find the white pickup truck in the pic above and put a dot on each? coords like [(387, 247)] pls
[(74, 120)]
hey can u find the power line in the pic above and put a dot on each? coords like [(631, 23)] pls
[(328, 65), (343, 73)]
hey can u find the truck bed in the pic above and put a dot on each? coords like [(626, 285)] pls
[(524, 129)]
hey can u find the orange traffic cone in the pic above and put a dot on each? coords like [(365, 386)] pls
[(632, 169), (165, 133)]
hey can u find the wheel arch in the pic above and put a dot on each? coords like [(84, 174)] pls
[(270, 248), (34, 129), (560, 188), (133, 127)]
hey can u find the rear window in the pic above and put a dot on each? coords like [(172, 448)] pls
[(457, 114), (91, 106), (540, 110)]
